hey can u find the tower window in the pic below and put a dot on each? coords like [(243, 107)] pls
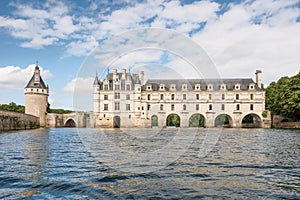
[(161, 97), (127, 107), (251, 96), (105, 97), (197, 106), (117, 95), (210, 107), (223, 107), (223, 96), (149, 96), (127, 96), (197, 96), (210, 96)]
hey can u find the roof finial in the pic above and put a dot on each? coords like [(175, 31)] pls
[(37, 63)]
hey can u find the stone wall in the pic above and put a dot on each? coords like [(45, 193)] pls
[(278, 122), (17, 121)]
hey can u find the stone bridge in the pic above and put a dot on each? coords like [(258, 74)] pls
[(74, 119)]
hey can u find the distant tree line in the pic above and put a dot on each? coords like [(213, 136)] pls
[(283, 97), (12, 106)]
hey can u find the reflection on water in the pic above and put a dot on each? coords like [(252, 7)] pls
[(56, 163)]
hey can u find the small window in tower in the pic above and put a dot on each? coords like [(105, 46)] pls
[(251, 106), (210, 107), (184, 96), (223, 96), (105, 97), (237, 96), (161, 97), (251, 96), (223, 107), (238, 107)]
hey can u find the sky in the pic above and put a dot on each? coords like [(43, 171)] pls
[(74, 40)]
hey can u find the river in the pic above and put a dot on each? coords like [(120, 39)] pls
[(71, 163)]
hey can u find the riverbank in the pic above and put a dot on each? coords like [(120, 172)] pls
[(10, 121)]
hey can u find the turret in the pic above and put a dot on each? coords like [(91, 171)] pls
[(36, 97)]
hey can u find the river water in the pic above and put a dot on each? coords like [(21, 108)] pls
[(81, 164)]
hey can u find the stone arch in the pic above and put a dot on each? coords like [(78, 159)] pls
[(116, 122), (223, 120), (197, 120), (173, 120), (251, 120), (70, 123), (154, 121)]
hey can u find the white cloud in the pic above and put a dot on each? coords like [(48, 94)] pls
[(16, 78), (79, 85)]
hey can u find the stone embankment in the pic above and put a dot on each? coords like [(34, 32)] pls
[(17, 121)]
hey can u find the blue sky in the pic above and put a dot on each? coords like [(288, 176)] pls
[(238, 36)]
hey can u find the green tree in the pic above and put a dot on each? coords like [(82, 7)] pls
[(12, 106), (283, 97), (196, 120)]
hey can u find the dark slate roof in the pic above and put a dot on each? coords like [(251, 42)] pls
[(230, 83), (32, 84), (134, 78)]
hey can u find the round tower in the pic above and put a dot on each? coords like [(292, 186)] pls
[(36, 97)]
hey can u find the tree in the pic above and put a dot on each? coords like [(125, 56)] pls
[(12, 106), (283, 97)]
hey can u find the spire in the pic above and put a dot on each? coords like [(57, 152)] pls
[(96, 81)]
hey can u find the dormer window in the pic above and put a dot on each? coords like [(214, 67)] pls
[(173, 87), (162, 87), (184, 87), (149, 87), (237, 87), (251, 86), (210, 87), (223, 87), (197, 87)]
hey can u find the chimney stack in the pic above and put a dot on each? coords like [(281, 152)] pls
[(258, 78), (142, 77)]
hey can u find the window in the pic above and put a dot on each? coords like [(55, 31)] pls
[(127, 87), (251, 96), (161, 107), (127, 107), (117, 87), (117, 105), (237, 87), (184, 107), (161, 97), (210, 107), (172, 96), (149, 96), (117, 95), (127, 96), (237, 96), (197, 106), (184, 96), (105, 106), (105, 87), (105, 97), (197, 96), (142, 107), (172, 107), (209, 96), (129, 116), (251, 106), (223, 107), (223, 96), (148, 107), (237, 106), (184, 87), (138, 108)]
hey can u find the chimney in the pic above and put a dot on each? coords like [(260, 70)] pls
[(123, 73), (142, 77), (115, 71), (258, 78)]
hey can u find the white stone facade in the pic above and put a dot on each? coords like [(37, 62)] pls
[(122, 100)]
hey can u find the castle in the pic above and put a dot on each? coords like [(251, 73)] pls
[(123, 99)]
